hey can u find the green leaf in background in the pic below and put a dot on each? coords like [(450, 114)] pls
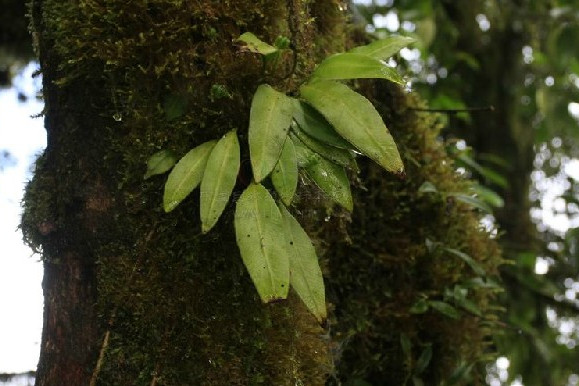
[(406, 345), (472, 201), (459, 374), (186, 175), (259, 232), (174, 106), (356, 120), (285, 173), (384, 48), (332, 180), (305, 273), (427, 187), (424, 360), (355, 66), (487, 195), (420, 307), (444, 308), (219, 179), (269, 122), (160, 162), (467, 259), (256, 45), (341, 157), (316, 126)]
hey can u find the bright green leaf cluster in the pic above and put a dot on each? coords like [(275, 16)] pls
[(320, 133)]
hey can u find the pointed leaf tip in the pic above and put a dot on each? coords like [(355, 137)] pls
[(219, 179), (261, 241), (186, 175), (269, 121)]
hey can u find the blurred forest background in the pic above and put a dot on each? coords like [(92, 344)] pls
[(503, 79)]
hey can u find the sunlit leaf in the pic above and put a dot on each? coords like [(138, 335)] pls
[(219, 179), (354, 66), (256, 45), (315, 125), (285, 173), (384, 48), (186, 175), (160, 162), (332, 180), (341, 157), (305, 273), (269, 122), (356, 120), (259, 232)]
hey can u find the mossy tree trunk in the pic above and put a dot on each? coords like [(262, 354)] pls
[(134, 295)]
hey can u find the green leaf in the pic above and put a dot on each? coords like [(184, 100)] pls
[(406, 345), (186, 175), (467, 259), (355, 66), (174, 106), (219, 179), (305, 273), (341, 157), (472, 201), (427, 187), (260, 237), (356, 120), (256, 45), (316, 126), (444, 308), (305, 157), (424, 360), (420, 307), (285, 173), (459, 374), (160, 162), (384, 48), (489, 196), (332, 180), (269, 122)]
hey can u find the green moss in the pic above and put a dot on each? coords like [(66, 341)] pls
[(131, 78), (386, 267)]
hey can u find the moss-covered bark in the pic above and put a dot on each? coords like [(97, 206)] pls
[(137, 296), (134, 295)]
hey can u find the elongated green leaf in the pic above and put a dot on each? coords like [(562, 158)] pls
[(285, 173), (356, 120), (260, 236), (472, 201), (219, 179), (341, 157), (467, 259), (445, 309), (424, 360), (269, 122), (384, 48), (254, 44), (354, 66), (315, 125), (160, 162), (186, 175), (304, 156), (305, 273), (332, 180)]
